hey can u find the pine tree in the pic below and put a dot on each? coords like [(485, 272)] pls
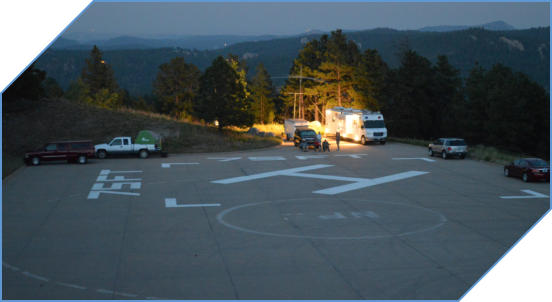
[(222, 96), (176, 86), (262, 93), (97, 74)]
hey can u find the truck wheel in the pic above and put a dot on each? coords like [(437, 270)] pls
[(430, 152), (444, 155), (101, 154), (35, 161), (81, 159), (143, 154), (363, 140)]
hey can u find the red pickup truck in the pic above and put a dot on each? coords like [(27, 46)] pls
[(71, 151)]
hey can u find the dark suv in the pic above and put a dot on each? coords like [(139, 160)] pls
[(306, 136), (71, 151)]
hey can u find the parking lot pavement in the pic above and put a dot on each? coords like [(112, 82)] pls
[(368, 222)]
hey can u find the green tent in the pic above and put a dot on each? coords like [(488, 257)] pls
[(150, 137)]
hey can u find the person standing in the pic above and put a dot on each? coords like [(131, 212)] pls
[(337, 139)]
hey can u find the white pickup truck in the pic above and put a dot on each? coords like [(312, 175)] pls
[(124, 145)]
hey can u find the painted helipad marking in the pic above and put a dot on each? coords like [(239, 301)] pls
[(105, 173), (171, 203), (358, 183), (418, 158), (305, 157), (532, 194), (168, 165), (35, 276), (220, 219), (223, 159), (70, 285), (266, 158), (351, 155)]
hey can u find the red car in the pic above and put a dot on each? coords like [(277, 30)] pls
[(71, 151), (528, 169)]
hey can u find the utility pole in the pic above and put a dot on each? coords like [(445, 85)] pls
[(301, 107)]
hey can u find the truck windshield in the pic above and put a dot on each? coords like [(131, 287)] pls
[(374, 124), (308, 133)]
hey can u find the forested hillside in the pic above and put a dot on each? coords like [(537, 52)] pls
[(526, 51)]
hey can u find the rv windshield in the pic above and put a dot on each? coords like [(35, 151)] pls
[(374, 124)]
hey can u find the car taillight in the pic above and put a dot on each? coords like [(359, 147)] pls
[(535, 170), (449, 148)]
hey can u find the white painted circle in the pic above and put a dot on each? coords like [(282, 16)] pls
[(351, 220)]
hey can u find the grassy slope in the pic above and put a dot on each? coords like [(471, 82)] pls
[(31, 124)]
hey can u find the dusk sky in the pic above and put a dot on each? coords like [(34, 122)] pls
[(150, 19)]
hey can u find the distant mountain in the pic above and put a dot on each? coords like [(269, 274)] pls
[(526, 51), (497, 25), (131, 42)]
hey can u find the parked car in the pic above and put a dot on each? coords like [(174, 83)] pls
[(306, 138), (70, 151), (448, 147), (146, 142), (528, 169)]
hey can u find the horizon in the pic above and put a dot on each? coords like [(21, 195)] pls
[(161, 20)]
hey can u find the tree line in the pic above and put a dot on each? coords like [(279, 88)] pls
[(496, 107), (419, 99)]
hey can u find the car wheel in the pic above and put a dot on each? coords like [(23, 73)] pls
[(525, 177), (382, 142), (143, 154), (462, 156), (363, 140), (430, 152), (506, 172), (81, 159), (35, 161), (444, 155), (101, 154)]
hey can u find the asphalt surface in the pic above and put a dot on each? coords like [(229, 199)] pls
[(367, 222)]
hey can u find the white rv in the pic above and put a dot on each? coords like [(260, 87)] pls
[(354, 124), (291, 124)]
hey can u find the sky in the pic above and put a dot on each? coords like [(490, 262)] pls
[(285, 18)]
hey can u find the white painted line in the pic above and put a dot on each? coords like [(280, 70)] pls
[(35, 276), (532, 194), (268, 174), (266, 158), (96, 194), (358, 183), (11, 267), (335, 215), (171, 203), (305, 157), (351, 155), (168, 165), (223, 159), (369, 183), (125, 295), (117, 186), (103, 178), (105, 291), (419, 158), (71, 285), (106, 172)]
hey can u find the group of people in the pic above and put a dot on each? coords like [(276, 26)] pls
[(326, 145)]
